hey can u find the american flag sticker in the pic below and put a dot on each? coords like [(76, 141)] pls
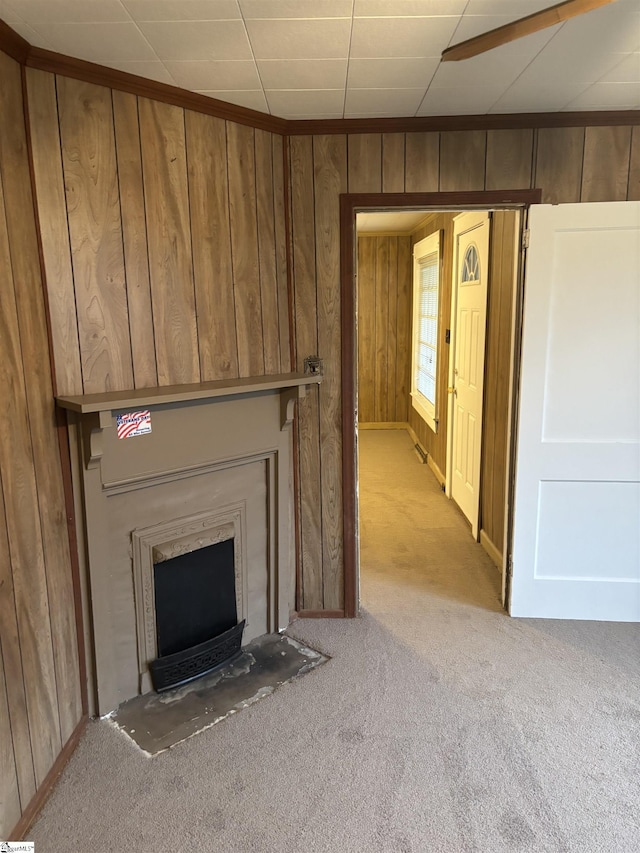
[(133, 423)]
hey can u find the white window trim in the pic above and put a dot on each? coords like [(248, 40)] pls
[(428, 246)]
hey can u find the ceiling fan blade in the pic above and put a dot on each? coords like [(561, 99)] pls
[(522, 27)]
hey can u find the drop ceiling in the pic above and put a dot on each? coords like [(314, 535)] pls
[(312, 59)]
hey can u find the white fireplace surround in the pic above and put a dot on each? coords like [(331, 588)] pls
[(217, 464)]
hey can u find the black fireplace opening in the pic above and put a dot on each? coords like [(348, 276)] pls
[(197, 625)]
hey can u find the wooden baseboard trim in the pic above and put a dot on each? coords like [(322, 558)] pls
[(384, 425), (42, 794), (436, 470), (321, 614), (491, 550)]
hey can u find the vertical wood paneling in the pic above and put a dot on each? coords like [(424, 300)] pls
[(365, 162), (392, 326), (134, 234), (9, 797), (211, 235), (559, 164), (403, 328), (509, 155), (168, 231), (91, 184), (244, 244), (633, 193), (267, 253), (330, 179), (306, 310), (422, 162), (281, 237), (382, 315), (393, 162), (366, 328), (605, 174), (462, 160), (54, 233)]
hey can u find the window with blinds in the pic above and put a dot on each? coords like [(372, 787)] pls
[(426, 285)]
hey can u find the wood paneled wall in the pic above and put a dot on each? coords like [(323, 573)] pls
[(40, 697), (163, 235), (384, 328), (568, 164), (495, 424)]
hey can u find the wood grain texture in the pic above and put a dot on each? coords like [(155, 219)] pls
[(633, 193), (605, 173), (393, 162), (32, 327), (281, 242), (54, 233), (462, 160), (95, 230), (306, 313), (134, 235), (169, 236), (244, 244), (403, 328), (211, 235), (392, 327), (509, 154), (381, 412), (330, 179), (267, 252), (366, 328), (365, 162), (558, 169), (422, 166), (9, 797)]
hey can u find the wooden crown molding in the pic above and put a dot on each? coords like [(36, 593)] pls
[(57, 63)]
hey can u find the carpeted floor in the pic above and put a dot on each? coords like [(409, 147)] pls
[(440, 724)]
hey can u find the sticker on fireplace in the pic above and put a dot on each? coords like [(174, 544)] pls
[(133, 423)]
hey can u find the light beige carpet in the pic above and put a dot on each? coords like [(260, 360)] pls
[(440, 725)]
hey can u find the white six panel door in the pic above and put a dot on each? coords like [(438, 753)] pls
[(576, 540)]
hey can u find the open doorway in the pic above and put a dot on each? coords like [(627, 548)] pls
[(385, 387)]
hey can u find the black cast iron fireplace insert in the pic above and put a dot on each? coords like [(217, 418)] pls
[(196, 615)]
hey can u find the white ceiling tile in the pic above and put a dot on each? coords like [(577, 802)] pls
[(467, 100), (187, 40), (607, 96), (297, 102), (513, 8), (8, 13), (522, 98), (31, 35), (296, 8), (378, 37), (407, 8), (476, 25), (217, 74), (303, 73), (182, 10), (151, 69), (625, 71), (253, 100), (391, 102), (390, 72), (67, 11), (98, 42), (325, 38)]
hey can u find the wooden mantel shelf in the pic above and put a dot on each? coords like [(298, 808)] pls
[(119, 400)]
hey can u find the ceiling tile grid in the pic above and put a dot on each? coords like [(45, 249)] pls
[(350, 58)]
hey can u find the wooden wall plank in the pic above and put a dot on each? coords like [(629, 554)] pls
[(393, 162), (244, 245), (330, 179), (93, 207), (462, 160), (134, 234), (164, 166), (365, 162), (392, 329), (212, 264), (54, 234), (14, 166), (366, 328), (422, 162), (605, 173), (9, 797), (558, 171), (306, 312), (267, 252), (403, 328), (281, 238), (633, 193), (382, 315), (509, 154)]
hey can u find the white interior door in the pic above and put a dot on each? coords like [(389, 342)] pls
[(471, 261), (576, 541)]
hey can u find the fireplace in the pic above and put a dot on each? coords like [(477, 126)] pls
[(196, 511)]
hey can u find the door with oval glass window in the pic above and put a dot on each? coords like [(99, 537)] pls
[(466, 379)]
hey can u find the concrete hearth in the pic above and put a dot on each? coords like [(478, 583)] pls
[(217, 464)]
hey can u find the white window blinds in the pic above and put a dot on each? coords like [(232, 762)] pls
[(426, 285)]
